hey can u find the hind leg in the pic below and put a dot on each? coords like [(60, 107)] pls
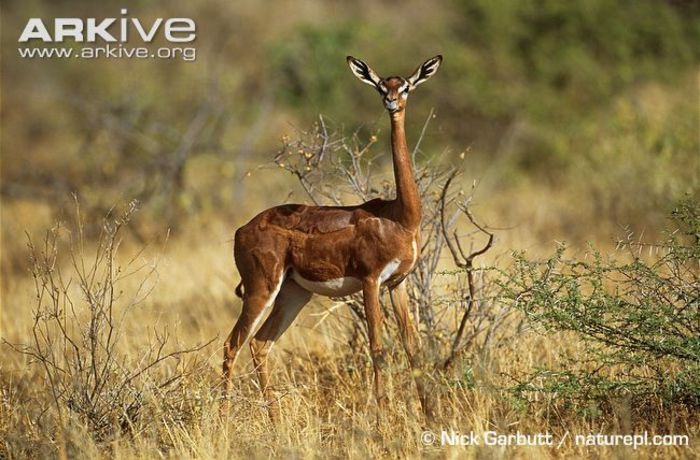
[(258, 300), (289, 302)]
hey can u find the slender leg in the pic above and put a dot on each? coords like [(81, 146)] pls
[(410, 339), (256, 305), (290, 300), (373, 312)]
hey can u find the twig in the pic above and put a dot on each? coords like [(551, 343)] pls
[(463, 261)]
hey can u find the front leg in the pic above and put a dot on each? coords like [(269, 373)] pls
[(373, 312), (411, 343)]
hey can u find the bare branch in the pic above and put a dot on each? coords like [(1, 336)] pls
[(463, 261)]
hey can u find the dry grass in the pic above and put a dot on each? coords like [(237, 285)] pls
[(325, 388)]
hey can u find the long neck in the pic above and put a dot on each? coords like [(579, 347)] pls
[(407, 196)]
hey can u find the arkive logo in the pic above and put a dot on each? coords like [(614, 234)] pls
[(108, 38), (174, 30)]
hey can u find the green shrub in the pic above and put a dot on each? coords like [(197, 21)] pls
[(638, 318)]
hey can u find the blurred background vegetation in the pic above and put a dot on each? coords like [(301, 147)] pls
[(576, 117)]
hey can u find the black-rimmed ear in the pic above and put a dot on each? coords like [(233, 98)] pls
[(363, 71), (425, 71)]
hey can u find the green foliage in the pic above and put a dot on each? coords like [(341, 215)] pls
[(532, 80), (579, 51), (308, 66), (639, 319)]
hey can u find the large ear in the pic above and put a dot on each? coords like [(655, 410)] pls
[(425, 71), (363, 71)]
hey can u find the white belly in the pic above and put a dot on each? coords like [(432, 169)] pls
[(340, 287), (337, 287), (389, 270)]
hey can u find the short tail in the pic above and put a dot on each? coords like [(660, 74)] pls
[(239, 290)]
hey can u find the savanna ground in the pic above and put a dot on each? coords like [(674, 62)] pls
[(578, 122)]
